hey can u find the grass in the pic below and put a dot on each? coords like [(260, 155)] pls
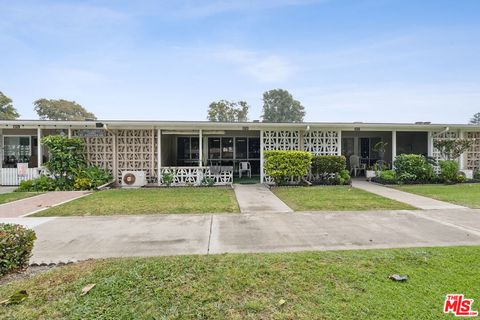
[(314, 285), (462, 194), (335, 198), (247, 180), (13, 196), (149, 201)]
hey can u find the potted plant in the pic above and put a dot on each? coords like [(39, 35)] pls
[(370, 173)]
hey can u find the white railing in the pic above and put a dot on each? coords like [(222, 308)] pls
[(185, 176), (10, 176)]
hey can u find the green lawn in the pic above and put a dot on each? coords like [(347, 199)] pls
[(149, 201), (462, 194), (13, 196), (314, 285), (334, 198)]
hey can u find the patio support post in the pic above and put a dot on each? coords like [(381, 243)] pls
[(39, 148), (394, 145), (339, 143), (262, 175), (69, 132), (115, 156), (1, 150), (159, 156), (430, 144), (461, 158), (200, 148), (152, 161)]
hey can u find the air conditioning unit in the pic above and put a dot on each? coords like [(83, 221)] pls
[(133, 179)]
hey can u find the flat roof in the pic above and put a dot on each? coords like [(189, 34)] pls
[(182, 125)]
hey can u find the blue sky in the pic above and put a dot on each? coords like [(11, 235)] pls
[(345, 60)]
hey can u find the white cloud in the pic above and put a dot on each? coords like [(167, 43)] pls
[(262, 67)]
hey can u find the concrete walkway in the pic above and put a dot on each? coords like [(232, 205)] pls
[(414, 200), (66, 239), (257, 198), (41, 202)]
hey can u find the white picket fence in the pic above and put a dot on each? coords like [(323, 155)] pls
[(10, 176)]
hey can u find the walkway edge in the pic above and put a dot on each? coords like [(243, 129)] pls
[(55, 205)]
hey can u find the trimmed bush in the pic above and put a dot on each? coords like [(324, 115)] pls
[(16, 244), (449, 170), (388, 176), (282, 165), (328, 165), (413, 167)]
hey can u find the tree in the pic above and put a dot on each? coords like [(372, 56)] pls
[(228, 111), (61, 110), (451, 149), (7, 111), (475, 119), (279, 106)]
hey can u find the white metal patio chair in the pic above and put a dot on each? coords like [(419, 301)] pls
[(245, 167), (356, 166)]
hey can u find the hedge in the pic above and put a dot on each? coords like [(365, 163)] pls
[(16, 244), (282, 165), (328, 165)]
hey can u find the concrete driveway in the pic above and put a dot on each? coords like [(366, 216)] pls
[(78, 238)]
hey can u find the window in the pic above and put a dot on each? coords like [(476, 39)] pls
[(254, 148), (187, 150), (214, 148), (227, 148), (16, 149), (365, 147), (241, 148)]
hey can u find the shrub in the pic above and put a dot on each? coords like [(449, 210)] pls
[(449, 170), (328, 165), (167, 178), (476, 175), (68, 168), (388, 176), (16, 244), (406, 177), (208, 182), (461, 178), (65, 156), (282, 165), (413, 167), (97, 176), (343, 177), (40, 184)]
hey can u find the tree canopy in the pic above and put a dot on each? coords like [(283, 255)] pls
[(476, 118), (7, 110), (228, 111), (279, 106), (61, 110)]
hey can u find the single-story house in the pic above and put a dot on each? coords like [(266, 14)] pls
[(195, 149)]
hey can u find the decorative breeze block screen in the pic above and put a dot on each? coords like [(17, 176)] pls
[(281, 140), (472, 155), (445, 135), (321, 142), (98, 147), (136, 151)]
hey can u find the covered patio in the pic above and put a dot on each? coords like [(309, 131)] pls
[(381, 147)]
